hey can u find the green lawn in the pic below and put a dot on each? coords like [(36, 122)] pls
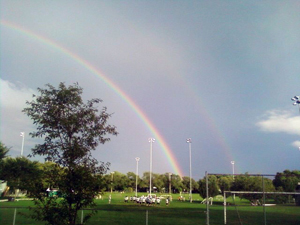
[(177, 212)]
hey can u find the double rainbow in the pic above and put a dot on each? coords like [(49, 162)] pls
[(159, 138)]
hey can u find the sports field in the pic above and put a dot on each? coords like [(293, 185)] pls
[(178, 212)]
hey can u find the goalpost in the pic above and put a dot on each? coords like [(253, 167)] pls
[(255, 192), (244, 192)]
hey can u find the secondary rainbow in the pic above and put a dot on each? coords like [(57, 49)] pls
[(159, 138)]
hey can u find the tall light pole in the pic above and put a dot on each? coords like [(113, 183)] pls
[(232, 162), (296, 100), (137, 173), (189, 140), (23, 136), (151, 140), (112, 179), (170, 183)]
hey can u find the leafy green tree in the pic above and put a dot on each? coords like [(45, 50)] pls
[(3, 151), (146, 180), (213, 187), (107, 182), (158, 182), (131, 178), (120, 181), (288, 180), (225, 183), (20, 173), (143, 184), (71, 130), (176, 182), (167, 182), (195, 186), (186, 184), (252, 183), (51, 173)]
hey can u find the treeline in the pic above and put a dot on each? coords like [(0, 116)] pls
[(21, 173)]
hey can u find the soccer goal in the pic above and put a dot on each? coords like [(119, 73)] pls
[(257, 203), (258, 197)]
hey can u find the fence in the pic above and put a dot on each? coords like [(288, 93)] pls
[(137, 215)]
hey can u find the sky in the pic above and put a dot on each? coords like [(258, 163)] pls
[(219, 72)]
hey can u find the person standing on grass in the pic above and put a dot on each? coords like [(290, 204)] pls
[(167, 201), (158, 201), (109, 199)]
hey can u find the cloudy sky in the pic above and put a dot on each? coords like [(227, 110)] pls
[(219, 72)]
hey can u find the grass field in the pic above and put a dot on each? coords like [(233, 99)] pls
[(121, 213)]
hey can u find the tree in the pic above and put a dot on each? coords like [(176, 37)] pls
[(213, 187), (158, 182), (71, 130), (146, 181), (252, 183), (225, 183), (176, 183), (131, 177), (119, 181), (3, 151), (167, 185), (186, 184), (287, 180), (20, 173), (51, 172)]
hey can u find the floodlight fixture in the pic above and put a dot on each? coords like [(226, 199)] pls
[(296, 101)]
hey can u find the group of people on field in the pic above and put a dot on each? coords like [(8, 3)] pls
[(146, 200)]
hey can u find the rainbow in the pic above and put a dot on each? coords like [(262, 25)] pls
[(159, 138), (220, 139)]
